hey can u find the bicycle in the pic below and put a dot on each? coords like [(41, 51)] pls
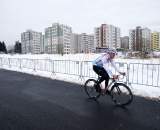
[(120, 93)]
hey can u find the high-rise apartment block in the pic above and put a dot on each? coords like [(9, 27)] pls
[(31, 42), (107, 36), (86, 43), (146, 40), (42, 44), (125, 42), (155, 41), (132, 35), (135, 39), (58, 39), (140, 39), (82, 43), (75, 46)]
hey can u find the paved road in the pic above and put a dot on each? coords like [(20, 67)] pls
[(34, 103)]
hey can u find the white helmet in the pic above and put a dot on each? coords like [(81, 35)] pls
[(111, 50)]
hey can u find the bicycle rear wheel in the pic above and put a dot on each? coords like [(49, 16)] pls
[(121, 94), (90, 88)]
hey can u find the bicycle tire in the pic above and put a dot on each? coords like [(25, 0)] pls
[(89, 89), (117, 90)]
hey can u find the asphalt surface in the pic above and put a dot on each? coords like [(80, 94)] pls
[(34, 103)]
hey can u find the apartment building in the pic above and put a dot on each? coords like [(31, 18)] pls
[(58, 39), (155, 41), (82, 43), (140, 39), (31, 42), (75, 44), (146, 39), (107, 36), (125, 42)]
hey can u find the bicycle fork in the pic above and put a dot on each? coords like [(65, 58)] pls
[(118, 90)]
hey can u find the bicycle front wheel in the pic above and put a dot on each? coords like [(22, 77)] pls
[(121, 94), (90, 88)]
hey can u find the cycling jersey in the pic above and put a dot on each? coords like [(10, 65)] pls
[(104, 61)]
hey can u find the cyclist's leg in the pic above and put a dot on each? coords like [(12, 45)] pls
[(99, 70), (96, 69), (105, 77)]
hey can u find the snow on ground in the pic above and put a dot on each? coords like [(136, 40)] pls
[(156, 54), (141, 90)]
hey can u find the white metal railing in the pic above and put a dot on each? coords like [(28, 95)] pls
[(137, 73)]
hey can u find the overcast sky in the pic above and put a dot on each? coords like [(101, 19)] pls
[(82, 15)]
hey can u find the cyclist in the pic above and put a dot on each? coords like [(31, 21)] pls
[(101, 67)]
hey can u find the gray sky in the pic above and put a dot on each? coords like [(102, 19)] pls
[(82, 15)]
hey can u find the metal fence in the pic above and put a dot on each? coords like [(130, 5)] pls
[(137, 73), (144, 74)]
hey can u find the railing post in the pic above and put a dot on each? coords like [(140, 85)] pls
[(53, 71), (20, 63), (45, 64), (81, 70), (128, 68), (34, 62), (52, 66), (9, 64)]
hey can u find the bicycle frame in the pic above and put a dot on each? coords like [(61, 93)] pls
[(112, 82)]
